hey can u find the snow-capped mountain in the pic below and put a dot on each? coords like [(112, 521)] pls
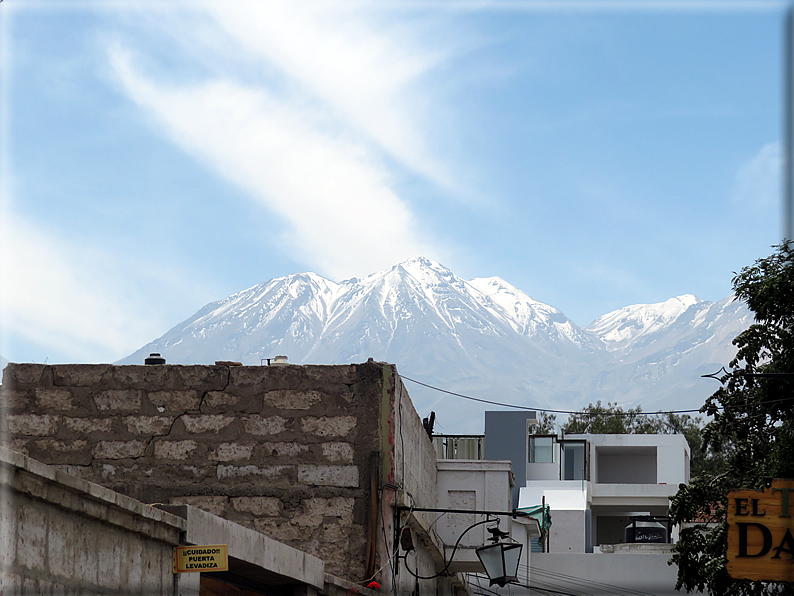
[(624, 327), (661, 351), (483, 338)]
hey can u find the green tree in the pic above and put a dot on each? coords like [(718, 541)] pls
[(547, 424), (752, 429), (610, 419)]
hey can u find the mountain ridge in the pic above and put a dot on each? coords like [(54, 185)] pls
[(483, 337)]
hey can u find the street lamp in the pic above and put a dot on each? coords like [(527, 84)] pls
[(500, 558)]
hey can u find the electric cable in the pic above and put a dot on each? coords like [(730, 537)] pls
[(584, 583), (454, 550), (572, 412), (552, 591), (478, 577), (533, 588), (389, 561)]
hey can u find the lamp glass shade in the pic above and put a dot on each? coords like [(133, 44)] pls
[(512, 556), (500, 561)]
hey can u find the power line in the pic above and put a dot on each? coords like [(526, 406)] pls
[(496, 403), (546, 576), (576, 412)]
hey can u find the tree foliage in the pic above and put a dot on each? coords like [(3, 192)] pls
[(752, 429), (546, 425), (613, 419)]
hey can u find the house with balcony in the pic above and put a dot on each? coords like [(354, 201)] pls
[(608, 496), (596, 485), (602, 488)]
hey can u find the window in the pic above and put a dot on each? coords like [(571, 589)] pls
[(541, 450), (573, 461)]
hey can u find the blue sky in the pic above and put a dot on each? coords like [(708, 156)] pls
[(160, 155)]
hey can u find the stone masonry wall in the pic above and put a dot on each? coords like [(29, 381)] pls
[(282, 450)]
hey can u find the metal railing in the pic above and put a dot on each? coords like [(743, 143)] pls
[(459, 446)]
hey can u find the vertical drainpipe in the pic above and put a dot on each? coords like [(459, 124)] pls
[(387, 425), (381, 467), (372, 529)]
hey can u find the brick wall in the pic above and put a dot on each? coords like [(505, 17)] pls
[(283, 450)]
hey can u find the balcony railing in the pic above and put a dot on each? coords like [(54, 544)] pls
[(459, 446)]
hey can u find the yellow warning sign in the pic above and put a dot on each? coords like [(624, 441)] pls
[(214, 557)]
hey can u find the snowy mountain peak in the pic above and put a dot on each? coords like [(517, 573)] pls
[(426, 272), (506, 294), (421, 263), (297, 313), (528, 316), (625, 326), (483, 337)]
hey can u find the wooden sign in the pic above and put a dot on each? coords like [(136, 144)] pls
[(214, 557), (761, 533)]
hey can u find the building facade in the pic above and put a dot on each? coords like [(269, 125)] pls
[(64, 535), (608, 496), (330, 461)]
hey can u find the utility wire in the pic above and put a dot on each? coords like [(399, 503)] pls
[(573, 412), (546, 576), (496, 403), (483, 591)]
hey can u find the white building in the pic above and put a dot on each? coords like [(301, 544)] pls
[(597, 485), (608, 496)]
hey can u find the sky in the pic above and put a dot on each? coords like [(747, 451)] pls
[(158, 155)]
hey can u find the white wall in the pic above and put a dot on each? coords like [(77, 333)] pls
[(543, 471), (604, 573), (672, 452), (567, 534), (475, 485), (562, 494)]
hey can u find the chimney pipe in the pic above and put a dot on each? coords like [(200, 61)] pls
[(154, 358)]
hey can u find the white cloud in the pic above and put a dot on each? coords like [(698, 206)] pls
[(757, 182), (326, 183), (340, 53), (71, 297)]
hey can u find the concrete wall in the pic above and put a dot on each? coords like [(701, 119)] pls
[(672, 453), (615, 573), (567, 533), (409, 470), (282, 450), (315, 457), (414, 465), (506, 439), (63, 535), (477, 486), (626, 469)]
